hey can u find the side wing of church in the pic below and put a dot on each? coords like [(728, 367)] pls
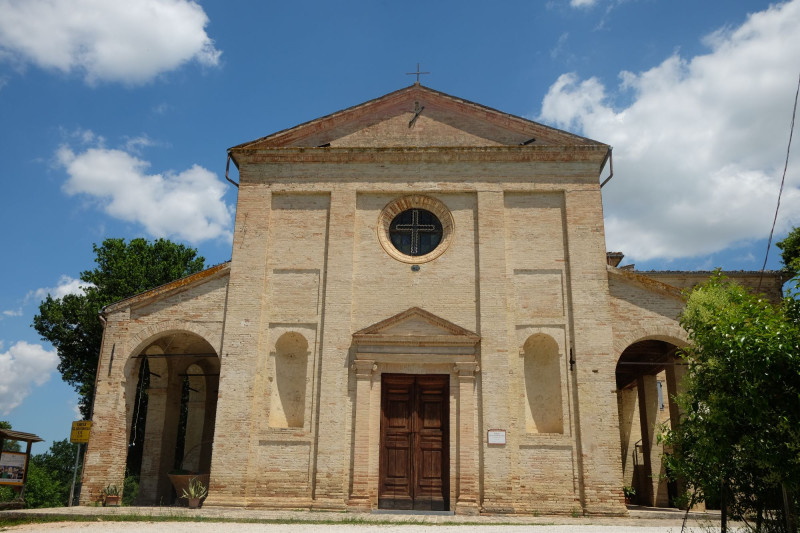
[(419, 313)]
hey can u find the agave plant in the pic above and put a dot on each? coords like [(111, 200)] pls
[(196, 489)]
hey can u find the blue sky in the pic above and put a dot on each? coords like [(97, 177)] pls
[(115, 118)]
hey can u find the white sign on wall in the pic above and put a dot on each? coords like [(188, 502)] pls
[(496, 436)]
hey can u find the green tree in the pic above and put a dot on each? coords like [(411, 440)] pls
[(790, 251), (122, 269), (58, 463), (740, 427), (7, 493), (42, 489), (9, 445)]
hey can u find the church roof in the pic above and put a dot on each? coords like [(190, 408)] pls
[(645, 281), (192, 280), (418, 116)]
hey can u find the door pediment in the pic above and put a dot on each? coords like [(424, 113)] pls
[(415, 328)]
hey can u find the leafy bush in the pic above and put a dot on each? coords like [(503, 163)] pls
[(130, 490)]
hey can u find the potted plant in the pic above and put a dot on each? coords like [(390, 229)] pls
[(181, 477), (195, 492), (111, 496), (629, 493)]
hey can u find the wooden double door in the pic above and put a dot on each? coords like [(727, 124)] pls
[(414, 462)]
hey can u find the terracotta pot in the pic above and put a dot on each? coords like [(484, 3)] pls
[(181, 481), (111, 501), (194, 503)]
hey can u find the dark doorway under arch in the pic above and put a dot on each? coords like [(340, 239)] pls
[(648, 375), (173, 413)]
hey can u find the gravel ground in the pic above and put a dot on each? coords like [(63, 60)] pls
[(213, 520), (215, 527)]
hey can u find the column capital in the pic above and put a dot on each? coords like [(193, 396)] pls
[(466, 369), (363, 368)]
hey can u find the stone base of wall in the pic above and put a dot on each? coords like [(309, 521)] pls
[(544, 508)]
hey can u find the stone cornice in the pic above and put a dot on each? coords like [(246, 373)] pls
[(437, 154), (415, 340)]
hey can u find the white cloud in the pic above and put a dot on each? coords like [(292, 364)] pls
[(66, 285), (130, 42), (22, 367), (187, 204), (560, 46), (582, 3), (13, 312), (88, 137), (135, 144), (699, 152)]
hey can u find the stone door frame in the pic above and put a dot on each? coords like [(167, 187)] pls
[(377, 350)]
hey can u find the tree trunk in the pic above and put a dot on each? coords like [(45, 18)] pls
[(788, 511), (723, 507)]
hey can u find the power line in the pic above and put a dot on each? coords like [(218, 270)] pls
[(780, 191)]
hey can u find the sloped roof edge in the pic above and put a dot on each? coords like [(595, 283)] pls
[(394, 94), (646, 282), (178, 284)]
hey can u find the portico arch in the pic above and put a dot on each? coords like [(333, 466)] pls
[(172, 380), (648, 376)]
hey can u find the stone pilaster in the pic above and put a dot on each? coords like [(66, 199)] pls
[(359, 497), (497, 490), (467, 497), (600, 465), (240, 346), (333, 440)]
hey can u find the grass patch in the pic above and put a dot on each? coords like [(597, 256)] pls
[(12, 520)]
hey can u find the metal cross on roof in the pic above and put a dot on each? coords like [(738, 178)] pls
[(417, 73)]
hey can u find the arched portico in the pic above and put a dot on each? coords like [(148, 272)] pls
[(172, 381), (648, 376)]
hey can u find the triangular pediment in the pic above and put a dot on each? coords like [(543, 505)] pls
[(417, 116), (172, 288), (418, 327)]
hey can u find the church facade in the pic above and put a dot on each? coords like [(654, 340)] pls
[(419, 313)]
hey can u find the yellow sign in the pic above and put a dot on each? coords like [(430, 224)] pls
[(80, 431)]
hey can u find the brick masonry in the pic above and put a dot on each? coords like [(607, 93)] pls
[(286, 324)]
